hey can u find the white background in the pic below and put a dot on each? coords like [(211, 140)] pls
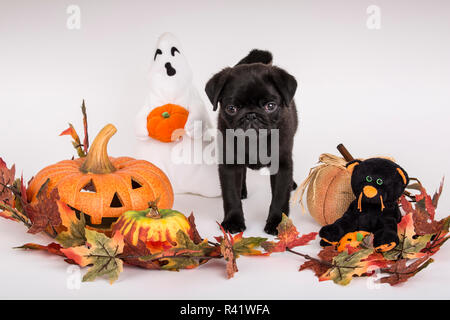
[(380, 92)]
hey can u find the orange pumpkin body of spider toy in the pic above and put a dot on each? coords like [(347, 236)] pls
[(166, 123), (102, 187)]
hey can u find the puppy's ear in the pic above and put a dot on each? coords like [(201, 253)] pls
[(215, 85), (285, 84)]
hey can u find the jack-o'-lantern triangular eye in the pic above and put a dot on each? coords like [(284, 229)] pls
[(135, 184), (89, 187), (116, 202)]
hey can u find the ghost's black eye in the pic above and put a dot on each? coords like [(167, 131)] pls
[(173, 50), (158, 51)]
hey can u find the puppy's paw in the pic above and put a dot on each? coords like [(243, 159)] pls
[(233, 224), (271, 228)]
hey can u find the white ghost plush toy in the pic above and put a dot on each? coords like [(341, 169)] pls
[(187, 161)]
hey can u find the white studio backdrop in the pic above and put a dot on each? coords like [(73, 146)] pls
[(373, 75)]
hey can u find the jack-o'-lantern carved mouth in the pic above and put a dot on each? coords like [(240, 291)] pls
[(104, 225)]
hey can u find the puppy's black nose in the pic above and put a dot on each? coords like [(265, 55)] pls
[(250, 116), (169, 69)]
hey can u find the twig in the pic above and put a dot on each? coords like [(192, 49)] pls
[(326, 263), (85, 125), (17, 214)]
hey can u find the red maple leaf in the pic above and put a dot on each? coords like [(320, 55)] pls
[(400, 272), (288, 237), (321, 265), (7, 177), (52, 248), (45, 213)]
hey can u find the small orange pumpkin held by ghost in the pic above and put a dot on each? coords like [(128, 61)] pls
[(102, 187), (166, 123)]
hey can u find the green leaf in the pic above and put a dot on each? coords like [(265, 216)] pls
[(101, 252), (408, 248), (75, 236), (346, 265)]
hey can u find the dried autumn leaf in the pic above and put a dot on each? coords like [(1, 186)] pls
[(246, 245), (71, 132), (226, 248), (8, 215), (102, 253), (193, 232), (45, 212), (424, 211), (321, 265), (410, 244), (20, 191), (437, 194), (433, 246), (400, 272), (7, 177), (74, 234), (52, 248), (376, 260), (346, 265), (423, 224), (425, 203), (185, 255), (132, 253), (288, 237), (438, 239), (76, 140)]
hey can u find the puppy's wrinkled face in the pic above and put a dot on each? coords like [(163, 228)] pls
[(251, 96), (250, 100)]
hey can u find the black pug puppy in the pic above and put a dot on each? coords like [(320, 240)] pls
[(255, 95)]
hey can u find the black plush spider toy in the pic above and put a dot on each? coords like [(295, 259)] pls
[(377, 184)]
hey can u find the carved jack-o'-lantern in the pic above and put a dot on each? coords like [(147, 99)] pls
[(102, 187)]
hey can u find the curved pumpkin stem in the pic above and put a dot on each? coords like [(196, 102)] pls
[(153, 211), (97, 160)]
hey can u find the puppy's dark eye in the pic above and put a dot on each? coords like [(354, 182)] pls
[(270, 107), (231, 109), (158, 51), (173, 50)]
